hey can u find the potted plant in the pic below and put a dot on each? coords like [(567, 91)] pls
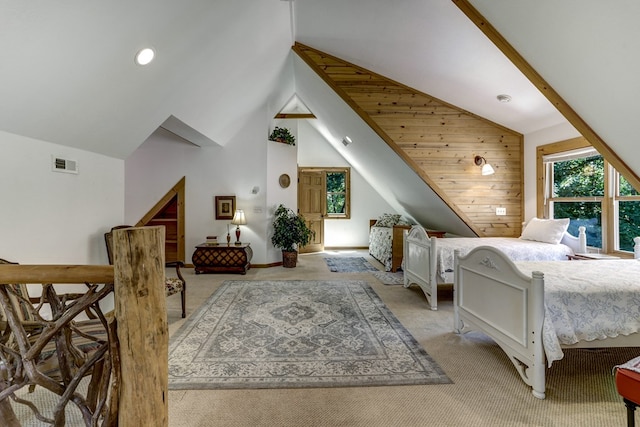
[(290, 231), (283, 135)]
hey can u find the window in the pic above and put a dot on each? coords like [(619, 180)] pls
[(627, 208), (325, 192), (337, 193), (579, 184)]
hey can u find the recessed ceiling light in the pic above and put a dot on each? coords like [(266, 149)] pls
[(503, 98), (144, 56)]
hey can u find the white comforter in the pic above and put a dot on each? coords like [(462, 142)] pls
[(587, 300), (513, 247)]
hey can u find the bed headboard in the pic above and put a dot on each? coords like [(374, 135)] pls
[(577, 244), (571, 241)]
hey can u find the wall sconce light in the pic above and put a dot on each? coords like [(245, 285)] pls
[(487, 169), (346, 141), (238, 220)]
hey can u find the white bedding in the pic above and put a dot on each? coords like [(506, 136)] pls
[(514, 248), (587, 300)]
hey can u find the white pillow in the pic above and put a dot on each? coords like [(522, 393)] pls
[(545, 230)]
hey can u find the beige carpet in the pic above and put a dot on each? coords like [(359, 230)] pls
[(487, 391)]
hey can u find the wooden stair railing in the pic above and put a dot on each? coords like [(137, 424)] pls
[(132, 387)]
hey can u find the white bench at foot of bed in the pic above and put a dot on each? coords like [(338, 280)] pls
[(419, 266)]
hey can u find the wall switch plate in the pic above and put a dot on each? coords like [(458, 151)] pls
[(501, 211)]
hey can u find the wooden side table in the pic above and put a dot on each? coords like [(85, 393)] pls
[(222, 258)]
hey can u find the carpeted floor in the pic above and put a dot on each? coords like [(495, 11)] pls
[(486, 388), (348, 264), (287, 334)]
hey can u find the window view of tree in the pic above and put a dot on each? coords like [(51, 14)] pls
[(336, 192), (581, 180), (628, 213), (578, 192)]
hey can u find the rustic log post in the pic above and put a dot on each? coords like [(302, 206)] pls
[(143, 333)]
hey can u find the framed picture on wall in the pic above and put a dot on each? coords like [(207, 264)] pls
[(225, 207)]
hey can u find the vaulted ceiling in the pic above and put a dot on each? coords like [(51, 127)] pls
[(69, 77)]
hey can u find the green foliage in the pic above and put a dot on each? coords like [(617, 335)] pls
[(290, 230), (579, 178), (336, 192), (585, 178), (282, 135)]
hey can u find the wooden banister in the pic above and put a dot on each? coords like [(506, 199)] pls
[(12, 273), (141, 382), (143, 332)]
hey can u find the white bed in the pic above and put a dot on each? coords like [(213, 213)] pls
[(534, 309), (427, 271)]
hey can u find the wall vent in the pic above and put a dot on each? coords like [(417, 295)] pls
[(64, 165)]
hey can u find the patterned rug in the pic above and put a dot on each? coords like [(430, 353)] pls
[(294, 334), (389, 278), (349, 264)]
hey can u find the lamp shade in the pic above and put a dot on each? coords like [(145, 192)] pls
[(238, 218), (487, 169)]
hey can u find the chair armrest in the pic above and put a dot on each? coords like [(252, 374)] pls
[(177, 265)]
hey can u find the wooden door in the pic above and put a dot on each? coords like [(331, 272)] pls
[(312, 205)]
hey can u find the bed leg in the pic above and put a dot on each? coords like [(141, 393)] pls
[(538, 381), (458, 325), (538, 394)]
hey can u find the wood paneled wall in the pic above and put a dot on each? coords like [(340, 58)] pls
[(438, 141)]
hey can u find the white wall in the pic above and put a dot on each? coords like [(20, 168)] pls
[(244, 160), (52, 217), (281, 159), (531, 143), (366, 203), (233, 170), (248, 161)]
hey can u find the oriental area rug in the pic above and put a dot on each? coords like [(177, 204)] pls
[(389, 278), (348, 264), (296, 334)]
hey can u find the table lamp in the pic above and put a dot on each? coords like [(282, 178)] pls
[(238, 220)]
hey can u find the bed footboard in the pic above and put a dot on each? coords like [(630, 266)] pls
[(420, 265), (492, 296)]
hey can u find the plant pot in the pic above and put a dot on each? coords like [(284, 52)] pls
[(289, 259)]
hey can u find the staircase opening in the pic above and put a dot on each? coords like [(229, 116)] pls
[(169, 213)]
